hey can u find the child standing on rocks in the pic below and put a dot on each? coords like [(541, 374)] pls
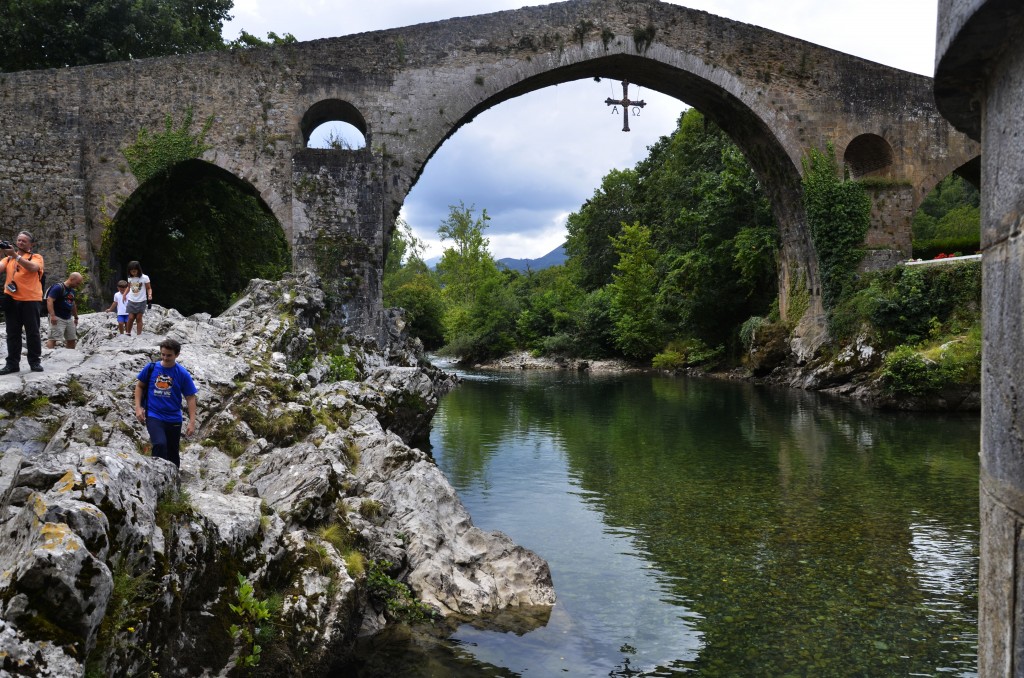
[(121, 306)]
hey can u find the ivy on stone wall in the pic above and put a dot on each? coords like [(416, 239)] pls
[(155, 153), (838, 215)]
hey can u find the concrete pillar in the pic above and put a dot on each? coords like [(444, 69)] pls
[(979, 87)]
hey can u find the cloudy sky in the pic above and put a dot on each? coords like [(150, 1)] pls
[(533, 160)]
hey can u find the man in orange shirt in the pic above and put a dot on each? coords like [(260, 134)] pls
[(23, 292)]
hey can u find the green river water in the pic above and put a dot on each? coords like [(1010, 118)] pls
[(706, 528)]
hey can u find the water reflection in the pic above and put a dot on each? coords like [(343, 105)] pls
[(718, 529)]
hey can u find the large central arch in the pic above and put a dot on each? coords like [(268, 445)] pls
[(746, 122)]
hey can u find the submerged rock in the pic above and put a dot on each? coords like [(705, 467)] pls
[(296, 480)]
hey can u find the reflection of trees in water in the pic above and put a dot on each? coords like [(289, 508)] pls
[(785, 519)]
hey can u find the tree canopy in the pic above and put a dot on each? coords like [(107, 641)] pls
[(675, 253), (949, 219), (57, 33)]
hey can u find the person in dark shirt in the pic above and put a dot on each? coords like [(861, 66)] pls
[(62, 307)]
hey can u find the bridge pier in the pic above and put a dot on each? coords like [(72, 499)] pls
[(338, 231), (979, 87)]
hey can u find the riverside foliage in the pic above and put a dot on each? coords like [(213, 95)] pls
[(679, 250), (672, 263)]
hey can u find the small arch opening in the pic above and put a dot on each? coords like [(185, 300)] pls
[(337, 136), (334, 124), (868, 155)]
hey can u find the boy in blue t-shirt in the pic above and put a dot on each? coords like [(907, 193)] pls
[(166, 382)]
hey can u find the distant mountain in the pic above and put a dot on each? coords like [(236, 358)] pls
[(555, 257)]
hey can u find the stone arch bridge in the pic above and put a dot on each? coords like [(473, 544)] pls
[(62, 174)]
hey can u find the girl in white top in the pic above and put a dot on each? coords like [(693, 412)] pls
[(140, 295), (121, 305)]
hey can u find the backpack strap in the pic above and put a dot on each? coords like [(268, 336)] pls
[(148, 371), (149, 374), (42, 273)]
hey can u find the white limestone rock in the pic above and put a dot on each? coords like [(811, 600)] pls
[(277, 458)]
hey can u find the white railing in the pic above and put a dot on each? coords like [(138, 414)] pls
[(946, 260)]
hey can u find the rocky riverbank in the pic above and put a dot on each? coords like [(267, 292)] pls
[(301, 479), (853, 372), (524, 360)]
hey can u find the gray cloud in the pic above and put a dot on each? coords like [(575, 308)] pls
[(532, 160)]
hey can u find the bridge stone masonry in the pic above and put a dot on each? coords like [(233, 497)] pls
[(62, 174)]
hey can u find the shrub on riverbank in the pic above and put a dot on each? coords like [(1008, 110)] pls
[(927, 370), (910, 335), (912, 304), (927, 320)]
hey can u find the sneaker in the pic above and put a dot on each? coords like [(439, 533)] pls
[(9, 370), (36, 368)]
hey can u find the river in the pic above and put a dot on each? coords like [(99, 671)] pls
[(697, 527)]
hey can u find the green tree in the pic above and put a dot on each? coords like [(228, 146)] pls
[(403, 249), (710, 224), (718, 256), (594, 335), (487, 325), (468, 261), (949, 219), (479, 311), (633, 292), (409, 284), (598, 219), (550, 304), (247, 40), (57, 33)]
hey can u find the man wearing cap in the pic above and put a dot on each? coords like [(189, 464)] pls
[(23, 293)]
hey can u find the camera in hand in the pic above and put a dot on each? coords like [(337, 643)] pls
[(5, 245)]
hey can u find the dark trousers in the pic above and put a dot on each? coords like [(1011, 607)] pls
[(166, 439), (22, 315)]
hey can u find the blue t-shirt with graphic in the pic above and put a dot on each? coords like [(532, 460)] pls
[(63, 300), (166, 389)]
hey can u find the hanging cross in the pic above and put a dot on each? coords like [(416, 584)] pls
[(625, 103)]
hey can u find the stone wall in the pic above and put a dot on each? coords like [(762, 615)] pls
[(892, 210), (42, 187), (337, 230)]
